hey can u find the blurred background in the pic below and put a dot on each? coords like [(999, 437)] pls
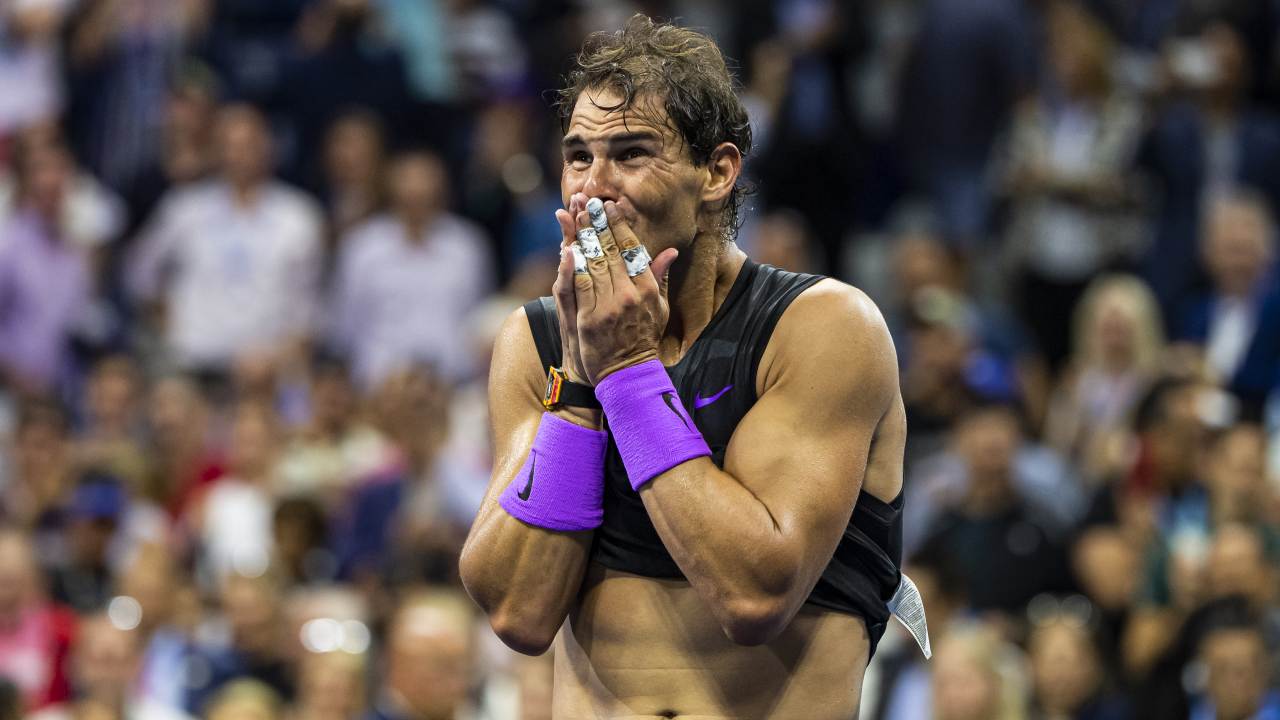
[(253, 255)]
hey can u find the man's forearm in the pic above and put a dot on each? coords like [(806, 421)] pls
[(524, 577), (730, 547)]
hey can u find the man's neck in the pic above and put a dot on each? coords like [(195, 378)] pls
[(699, 282), (415, 226), (245, 194)]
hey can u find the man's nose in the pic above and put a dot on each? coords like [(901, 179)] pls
[(601, 181)]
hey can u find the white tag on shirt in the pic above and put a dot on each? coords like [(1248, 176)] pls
[(907, 606)]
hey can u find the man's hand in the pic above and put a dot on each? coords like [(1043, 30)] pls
[(620, 319), (563, 291)]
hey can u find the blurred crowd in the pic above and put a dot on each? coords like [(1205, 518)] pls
[(253, 255)]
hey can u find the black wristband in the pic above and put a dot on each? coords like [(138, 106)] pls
[(561, 391)]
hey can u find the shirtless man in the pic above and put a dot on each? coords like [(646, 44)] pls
[(725, 545)]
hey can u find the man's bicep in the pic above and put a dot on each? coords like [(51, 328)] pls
[(803, 447)]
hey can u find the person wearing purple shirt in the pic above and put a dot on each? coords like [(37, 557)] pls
[(44, 279)]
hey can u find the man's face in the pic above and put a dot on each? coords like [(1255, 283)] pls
[(244, 146), (1236, 660), (1237, 248), (634, 159)]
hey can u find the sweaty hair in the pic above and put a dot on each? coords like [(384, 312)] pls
[(681, 68)]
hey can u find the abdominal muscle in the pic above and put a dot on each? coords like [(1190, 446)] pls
[(636, 647)]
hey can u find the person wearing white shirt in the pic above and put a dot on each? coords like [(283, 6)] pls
[(236, 260), (1238, 250), (407, 279)]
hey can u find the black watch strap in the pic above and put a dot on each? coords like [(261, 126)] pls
[(562, 391)]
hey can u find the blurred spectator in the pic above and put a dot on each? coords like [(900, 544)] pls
[(1072, 202), (407, 524), (813, 161), (419, 30), (970, 65), (234, 261), (783, 239), (89, 215), (353, 187), (485, 53), (946, 369), (380, 273), (1107, 565), (105, 667), (1236, 660), (989, 441), (1005, 545), (342, 62), (35, 635), (301, 542), (82, 578), (1238, 247), (29, 89), (428, 663), (45, 277), (250, 642), (977, 676), (111, 436), (1201, 148), (121, 55), (181, 451), (245, 700), (152, 580), (330, 687), (185, 142), (1116, 351), (1068, 678), (336, 448), (233, 519), (42, 473)]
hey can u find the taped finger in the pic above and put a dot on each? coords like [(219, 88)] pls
[(636, 259), (589, 241)]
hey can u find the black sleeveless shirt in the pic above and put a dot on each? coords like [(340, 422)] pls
[(716, 381)]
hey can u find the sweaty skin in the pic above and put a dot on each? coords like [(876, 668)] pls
[(736, 639)]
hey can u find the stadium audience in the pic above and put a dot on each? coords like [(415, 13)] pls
[(253, 255)]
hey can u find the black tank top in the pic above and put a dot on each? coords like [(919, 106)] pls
[(716, 381)]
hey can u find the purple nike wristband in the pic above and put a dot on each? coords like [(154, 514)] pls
[(651, 427), (561, 485)]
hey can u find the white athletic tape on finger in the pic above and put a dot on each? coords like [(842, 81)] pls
[(579, 260), (636, 259), (589, 241), (595, 208), (908, 607)]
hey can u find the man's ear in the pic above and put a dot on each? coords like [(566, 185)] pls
[(723, 168)]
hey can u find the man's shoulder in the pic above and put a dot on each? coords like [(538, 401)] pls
[(838, 310), (299, 205)]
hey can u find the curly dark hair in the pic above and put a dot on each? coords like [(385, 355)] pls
[(685, 70)]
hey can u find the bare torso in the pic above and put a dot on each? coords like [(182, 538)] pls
[(636, 647)]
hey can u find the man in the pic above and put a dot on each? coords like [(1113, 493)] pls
[(385, 317), (727, 548), (236, 260), (427, 665), (1238, 251)]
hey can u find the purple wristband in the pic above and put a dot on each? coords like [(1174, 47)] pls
[(651, 427), (561, 485)]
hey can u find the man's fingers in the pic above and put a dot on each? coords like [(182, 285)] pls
[(598, 259)]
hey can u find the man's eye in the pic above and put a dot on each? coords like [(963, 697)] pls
[(580, 158), (633, 153)]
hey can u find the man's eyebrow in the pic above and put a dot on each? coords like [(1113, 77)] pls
[(577, 140)]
